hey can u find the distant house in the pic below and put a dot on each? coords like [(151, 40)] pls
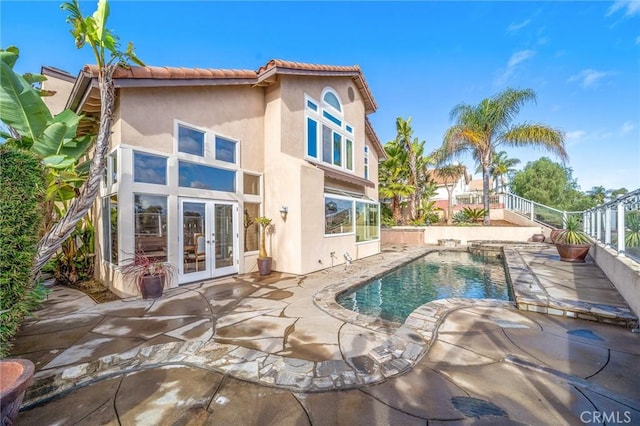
[(196, 154), (460, 186)]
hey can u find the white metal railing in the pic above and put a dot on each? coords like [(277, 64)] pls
[(545, 215), (615, 223)]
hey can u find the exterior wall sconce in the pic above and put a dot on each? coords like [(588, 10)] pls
[(284, 210)]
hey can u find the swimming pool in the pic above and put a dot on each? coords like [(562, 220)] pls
[(437, 275)]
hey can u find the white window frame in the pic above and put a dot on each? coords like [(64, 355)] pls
[(353, 218), (321, 121), (366, 162), (209, 157)]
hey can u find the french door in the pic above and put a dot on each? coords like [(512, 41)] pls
[(209, 239)]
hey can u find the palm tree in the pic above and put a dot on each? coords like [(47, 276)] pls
[(92, 31), (480, 129), (502, 167), (615, 193), (598, 194), (404, 140), (393, 179)]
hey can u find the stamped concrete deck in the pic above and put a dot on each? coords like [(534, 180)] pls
[(278, 350)]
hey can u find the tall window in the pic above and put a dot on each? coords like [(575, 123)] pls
[(251, 228), (367, 221), (366, 162), (110, 229), (328, 137), (151, 225)]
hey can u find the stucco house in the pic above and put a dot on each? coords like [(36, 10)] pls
[(457, 186), (196, 154)]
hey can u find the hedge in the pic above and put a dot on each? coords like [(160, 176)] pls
[(22, 186)]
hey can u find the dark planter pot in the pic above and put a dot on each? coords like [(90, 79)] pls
[(555, 233), (573, 252), (151, 286), (538, 238), (264, 265), (15, 377)]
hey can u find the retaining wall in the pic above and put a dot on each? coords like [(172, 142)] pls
[(413, 236), (623, 272)]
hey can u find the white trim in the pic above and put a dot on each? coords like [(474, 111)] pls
[(353, 218), (209, 157), (329, 89), (321, 120)]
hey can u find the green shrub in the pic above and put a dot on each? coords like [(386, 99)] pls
[(474, 215), (75, 260), (461, 217), (22, 184)]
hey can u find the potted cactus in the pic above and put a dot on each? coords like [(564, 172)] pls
[(572, 243), (264, 261)]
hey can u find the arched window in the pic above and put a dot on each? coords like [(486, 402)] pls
[(331, 98), (329, 138)]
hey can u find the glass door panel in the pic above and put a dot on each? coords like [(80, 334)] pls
[(225, 236), (209, 239), (194, 241)]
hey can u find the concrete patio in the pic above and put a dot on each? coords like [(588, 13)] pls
[(249, 350)]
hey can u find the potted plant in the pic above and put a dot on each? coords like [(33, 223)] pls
[(264, 261), (150, 274), (16, 374), (572, 243)]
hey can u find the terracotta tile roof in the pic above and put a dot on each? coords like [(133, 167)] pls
[(274, 66), (375, 140), (279, 63), (174, 73)]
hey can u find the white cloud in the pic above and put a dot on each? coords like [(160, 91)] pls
[(630, 7), (515, 59), (518, 25), (520, 56), (575, 136), (627, 127), (589, 78)]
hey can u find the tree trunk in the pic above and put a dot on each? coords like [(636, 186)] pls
[(413, 181), (449, 205), (54, 237), (396, 210), (485, 193)]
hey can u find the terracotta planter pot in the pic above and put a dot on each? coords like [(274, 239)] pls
[(151, 286), (15, 377), (554, 235), (573, 252), (538, 238), (264, 265)]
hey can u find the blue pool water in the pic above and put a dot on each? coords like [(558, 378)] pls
[(438, 275)]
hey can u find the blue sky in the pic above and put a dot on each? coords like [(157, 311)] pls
[(419, 58)]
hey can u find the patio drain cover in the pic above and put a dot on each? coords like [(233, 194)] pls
[(585, 334), (474, 407)]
